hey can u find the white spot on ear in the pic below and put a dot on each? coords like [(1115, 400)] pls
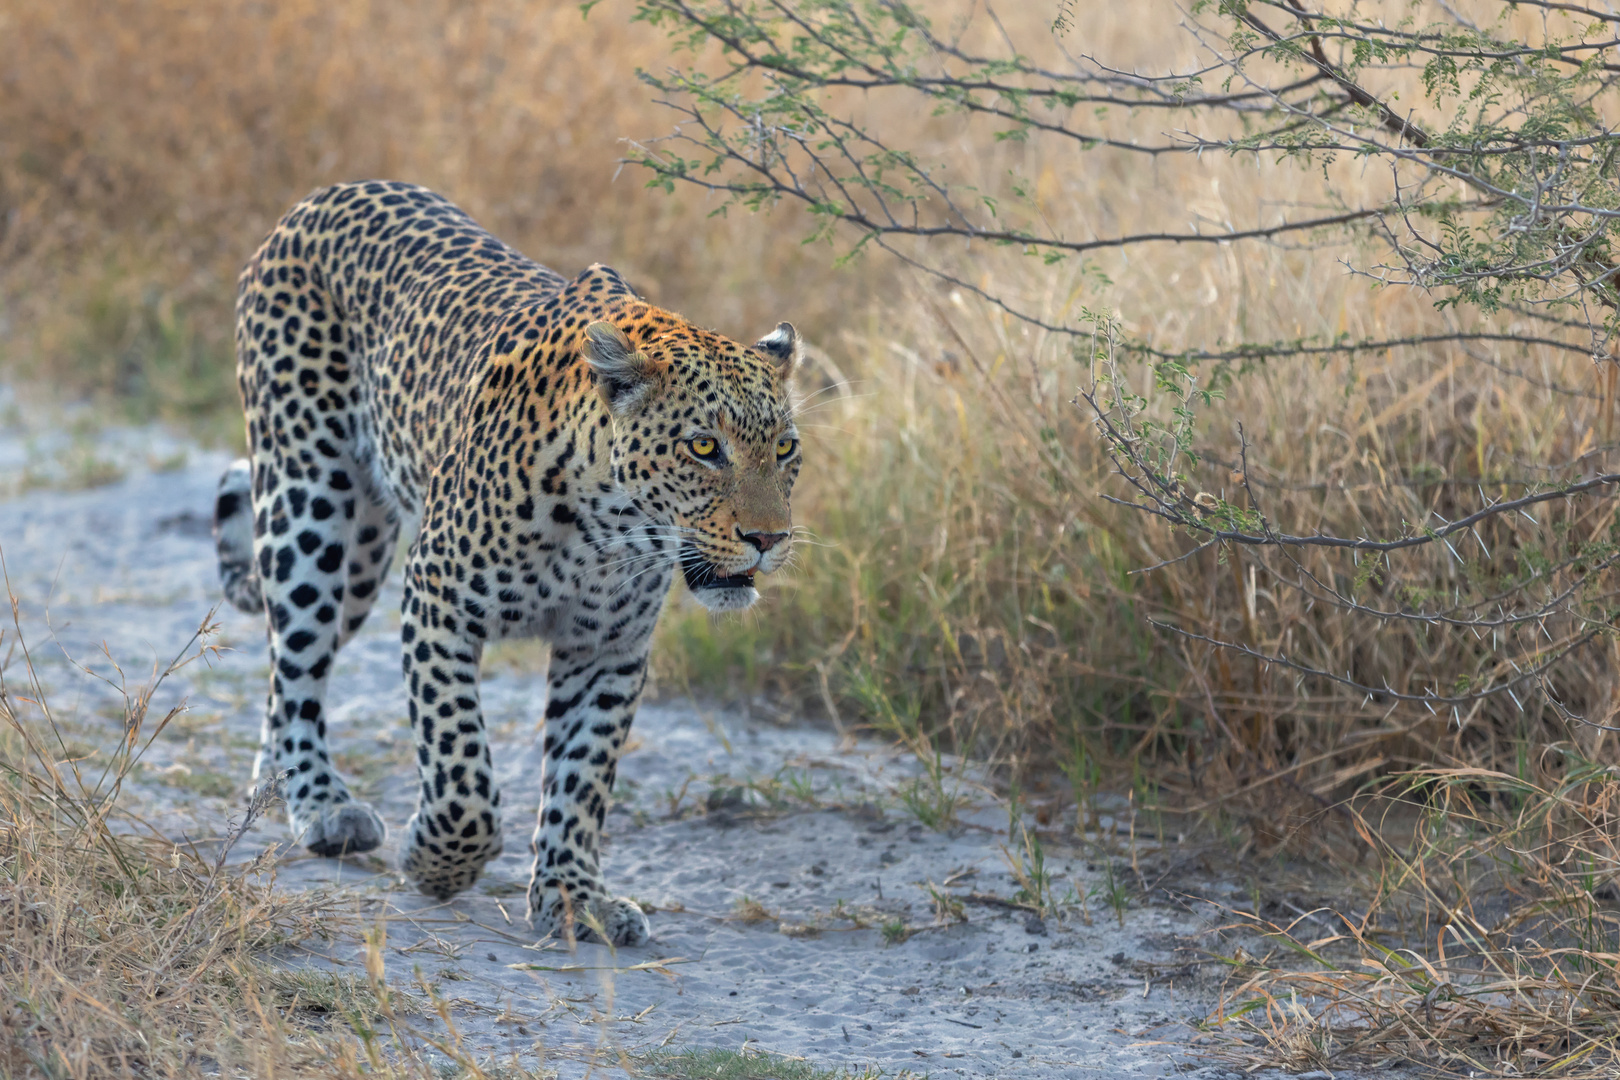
[(782, 346)]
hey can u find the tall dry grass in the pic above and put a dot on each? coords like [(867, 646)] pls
[(976, 586)]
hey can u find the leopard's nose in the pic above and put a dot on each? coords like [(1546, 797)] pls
[(764, 541)]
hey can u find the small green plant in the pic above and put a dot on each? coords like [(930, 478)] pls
[(1027, 863), (798, 784), (1113, 891), (673, 800), (1015, 808), (895, 931), (1084, 773), (931, 798), (928, 803), (841, 909), (785, 787), (1145, 797), (947, 908)]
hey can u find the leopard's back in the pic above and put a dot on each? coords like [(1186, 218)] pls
[(375, 304)]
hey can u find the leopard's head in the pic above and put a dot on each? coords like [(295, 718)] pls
[(704, 443)]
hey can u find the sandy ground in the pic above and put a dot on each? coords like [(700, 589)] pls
[(773, 854)]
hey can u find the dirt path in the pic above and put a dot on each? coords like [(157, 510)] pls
[(774, 856)]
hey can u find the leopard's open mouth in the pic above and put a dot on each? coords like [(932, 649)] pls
[(701, 574)]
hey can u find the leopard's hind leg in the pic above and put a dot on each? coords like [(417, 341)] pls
[(321, 536)]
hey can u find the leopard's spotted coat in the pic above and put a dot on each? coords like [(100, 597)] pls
[(561, 450)]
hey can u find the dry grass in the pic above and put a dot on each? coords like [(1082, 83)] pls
[(966, 587), (127, 954), (1483, 944), (974, 589)]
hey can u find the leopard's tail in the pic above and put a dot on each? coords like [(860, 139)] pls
[(233, 537)]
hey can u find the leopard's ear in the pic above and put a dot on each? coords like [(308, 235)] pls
[(626, 379), (781, 346)]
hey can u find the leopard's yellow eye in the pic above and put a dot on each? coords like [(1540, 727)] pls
[(704, 447), (785, 447)]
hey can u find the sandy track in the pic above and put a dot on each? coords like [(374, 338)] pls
[(712, 808)]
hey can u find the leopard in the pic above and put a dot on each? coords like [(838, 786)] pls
[(546, 456)]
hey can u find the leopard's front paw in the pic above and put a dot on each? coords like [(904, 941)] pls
[(441, 868), (587, 916), (331, 831)]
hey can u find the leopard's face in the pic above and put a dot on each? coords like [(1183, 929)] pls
[(704, 443)]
